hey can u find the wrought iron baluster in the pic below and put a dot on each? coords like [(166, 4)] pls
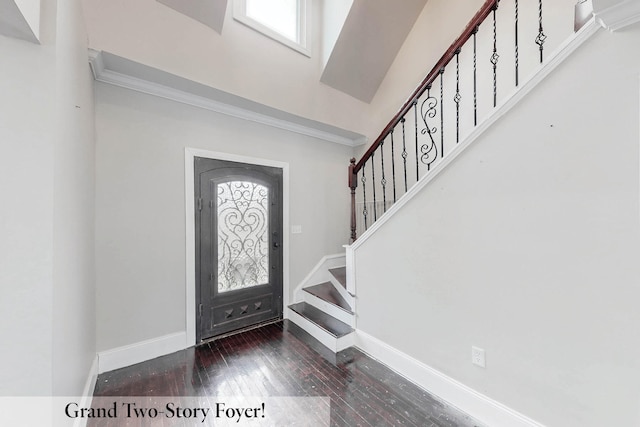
[(540, 39), (516, 42), (442, 111), (404, 153), (383, 181), (373, 185), (457, 96), (415, 121), (495, 57), (364, 195), (428, 111), (475, 77), (393, 166)]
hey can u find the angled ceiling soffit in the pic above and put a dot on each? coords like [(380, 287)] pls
[(367, 45), (209, 12), (20, 19)]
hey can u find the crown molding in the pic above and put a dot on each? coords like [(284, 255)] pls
[(617, 16), (118, 71)]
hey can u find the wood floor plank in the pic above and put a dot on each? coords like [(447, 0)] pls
[(279, 360)]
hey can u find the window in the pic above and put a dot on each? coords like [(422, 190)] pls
[(282, 20)]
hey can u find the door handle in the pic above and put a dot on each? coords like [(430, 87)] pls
[(276, 245)]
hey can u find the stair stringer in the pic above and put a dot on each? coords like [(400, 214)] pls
[(320, 274)]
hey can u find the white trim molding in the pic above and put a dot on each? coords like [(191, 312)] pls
[(616, 16), (141, 351), (190, 226), (473, 403), (112, 69), (87, 393)]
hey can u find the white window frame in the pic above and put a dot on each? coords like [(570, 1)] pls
[(240, 15)]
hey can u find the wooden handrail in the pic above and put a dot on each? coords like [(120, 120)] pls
[(471, 28)]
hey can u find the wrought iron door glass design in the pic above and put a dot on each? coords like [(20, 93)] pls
[(243, 235)]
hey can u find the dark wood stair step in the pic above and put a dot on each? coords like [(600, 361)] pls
[(340, 274), (327, 292), (321, 319)]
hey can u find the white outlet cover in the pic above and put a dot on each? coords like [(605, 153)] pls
[(478, 357), (296, 229)]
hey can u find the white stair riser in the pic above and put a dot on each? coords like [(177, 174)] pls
[(329, 308), (315, 331)]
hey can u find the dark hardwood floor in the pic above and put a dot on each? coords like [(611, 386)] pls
[(281, 360)]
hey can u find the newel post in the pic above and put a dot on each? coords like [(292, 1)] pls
[(353, 184)]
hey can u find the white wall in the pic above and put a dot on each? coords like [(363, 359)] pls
[(528, 246), (240, 61), (140, 204), (74, 320), (46, 219), (27, 84)]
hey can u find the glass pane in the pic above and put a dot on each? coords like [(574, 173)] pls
[(243, 235), (279, 15)]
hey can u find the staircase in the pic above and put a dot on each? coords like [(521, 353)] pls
[(324, 308), (440, 119)]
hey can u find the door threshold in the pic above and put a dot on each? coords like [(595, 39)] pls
[(241, 330)]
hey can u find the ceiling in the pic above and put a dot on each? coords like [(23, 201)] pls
[(368, 38)]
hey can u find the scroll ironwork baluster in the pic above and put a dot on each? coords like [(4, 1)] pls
[(415, 121), (373, 185), (364, 195), (428, 111), (383, 181), (495, 57), (404, 153), (540, 39), (516, 42), (393, 166), (457, 96)]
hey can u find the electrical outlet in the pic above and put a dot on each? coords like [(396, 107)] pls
[(296, 229), (477, 356)]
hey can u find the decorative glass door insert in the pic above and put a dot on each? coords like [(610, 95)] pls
[(243, 235)]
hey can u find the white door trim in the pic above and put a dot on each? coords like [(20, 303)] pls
[(190, 291)]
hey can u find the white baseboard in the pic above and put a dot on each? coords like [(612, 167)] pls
[(476, 405), (87, 393), (139, 352)]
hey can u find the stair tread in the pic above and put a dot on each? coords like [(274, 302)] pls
[(329, 323), (327, 292), (340, 274)]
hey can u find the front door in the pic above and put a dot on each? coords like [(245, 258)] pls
[(238, 245)]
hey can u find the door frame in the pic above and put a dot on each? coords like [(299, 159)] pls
[(190, 291)]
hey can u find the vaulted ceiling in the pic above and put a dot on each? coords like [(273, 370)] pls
[(365, 42)]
